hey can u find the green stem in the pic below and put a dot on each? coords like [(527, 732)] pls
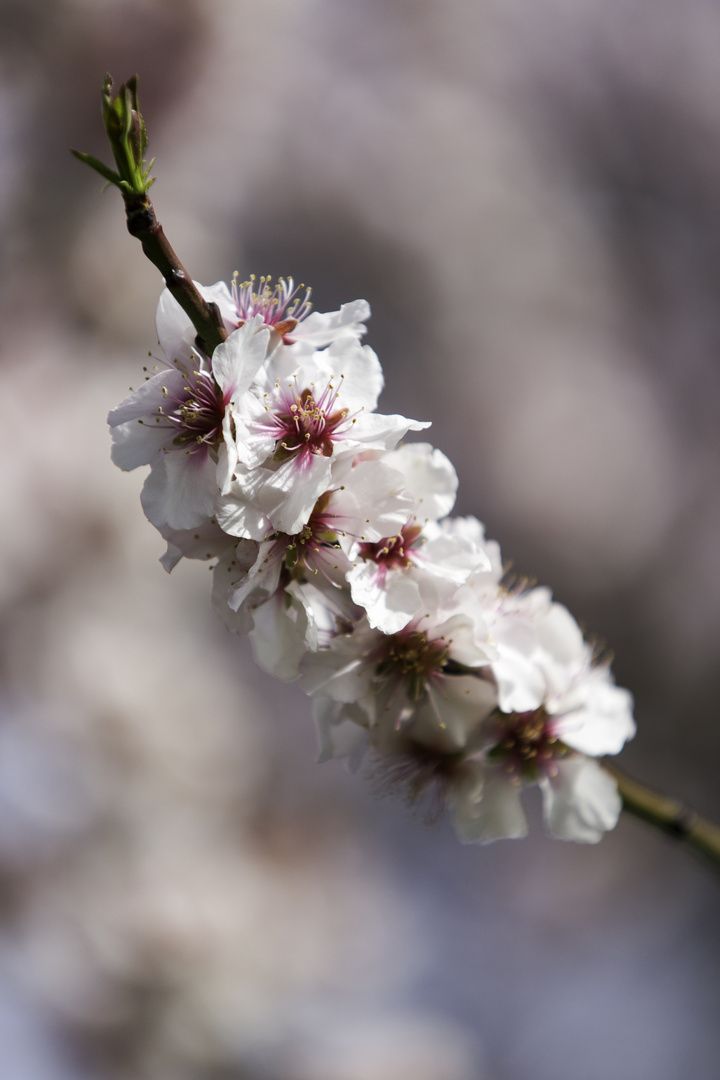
[(671, 816), (125, 129)]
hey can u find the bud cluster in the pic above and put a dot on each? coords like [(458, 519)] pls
[(334, 551)]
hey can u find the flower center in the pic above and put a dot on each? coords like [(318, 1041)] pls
[(527, 745), (411, 658), (425, 774), (281, 306), (392, 552), (308, 425), (316, 539), (197, 417)]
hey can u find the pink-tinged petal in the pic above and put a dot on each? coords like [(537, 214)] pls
[(581, 802), (499, 815), (136, 444), (236, 361), (179, 491)]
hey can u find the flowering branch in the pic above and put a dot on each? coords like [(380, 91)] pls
[(125, 129), (335, 550), (669, 815)]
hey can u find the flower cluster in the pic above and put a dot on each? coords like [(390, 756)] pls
[(334, 551)]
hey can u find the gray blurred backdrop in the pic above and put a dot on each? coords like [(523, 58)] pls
[(528, 194)]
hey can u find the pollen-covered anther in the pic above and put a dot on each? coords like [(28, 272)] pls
[(527, 746), (282, 306), (413, 659), (393, 551)]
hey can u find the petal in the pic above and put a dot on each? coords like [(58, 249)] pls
[(237, 511), (342, 732), (581, 802), (279, 635), (180, 489), (458, 704), (340, 672), (371, 503), (150, 398), (449, 556), (360, 375), (390, 599), (206, 541), (262, 577), (321, 328), (289, 494), (375, 431), (597, 716), (137, 443), (176, 332), (430, 478), (237, 360), (500, 814)]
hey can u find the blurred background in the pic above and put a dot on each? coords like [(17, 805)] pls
[(528, 194)]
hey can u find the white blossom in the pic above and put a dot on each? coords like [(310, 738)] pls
[(387, 576), (287, 312), (427, 676), (297, 423), (557, 711), (178, 420)]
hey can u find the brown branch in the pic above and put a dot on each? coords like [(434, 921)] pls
[(205, 317)]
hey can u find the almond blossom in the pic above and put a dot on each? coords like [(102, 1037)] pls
[(557, 710), (177, 421), (387, 575), (293, 428), (289, 314), (428, 675)]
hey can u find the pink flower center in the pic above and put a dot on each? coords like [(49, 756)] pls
[(411, 658), (281, 306), (308, 425), (196, 416), (527, 744), (393, 551), (316, 544)]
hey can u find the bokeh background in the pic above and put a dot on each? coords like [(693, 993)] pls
[(528, 194)]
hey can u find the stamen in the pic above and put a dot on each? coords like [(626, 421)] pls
[(281, 306)]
